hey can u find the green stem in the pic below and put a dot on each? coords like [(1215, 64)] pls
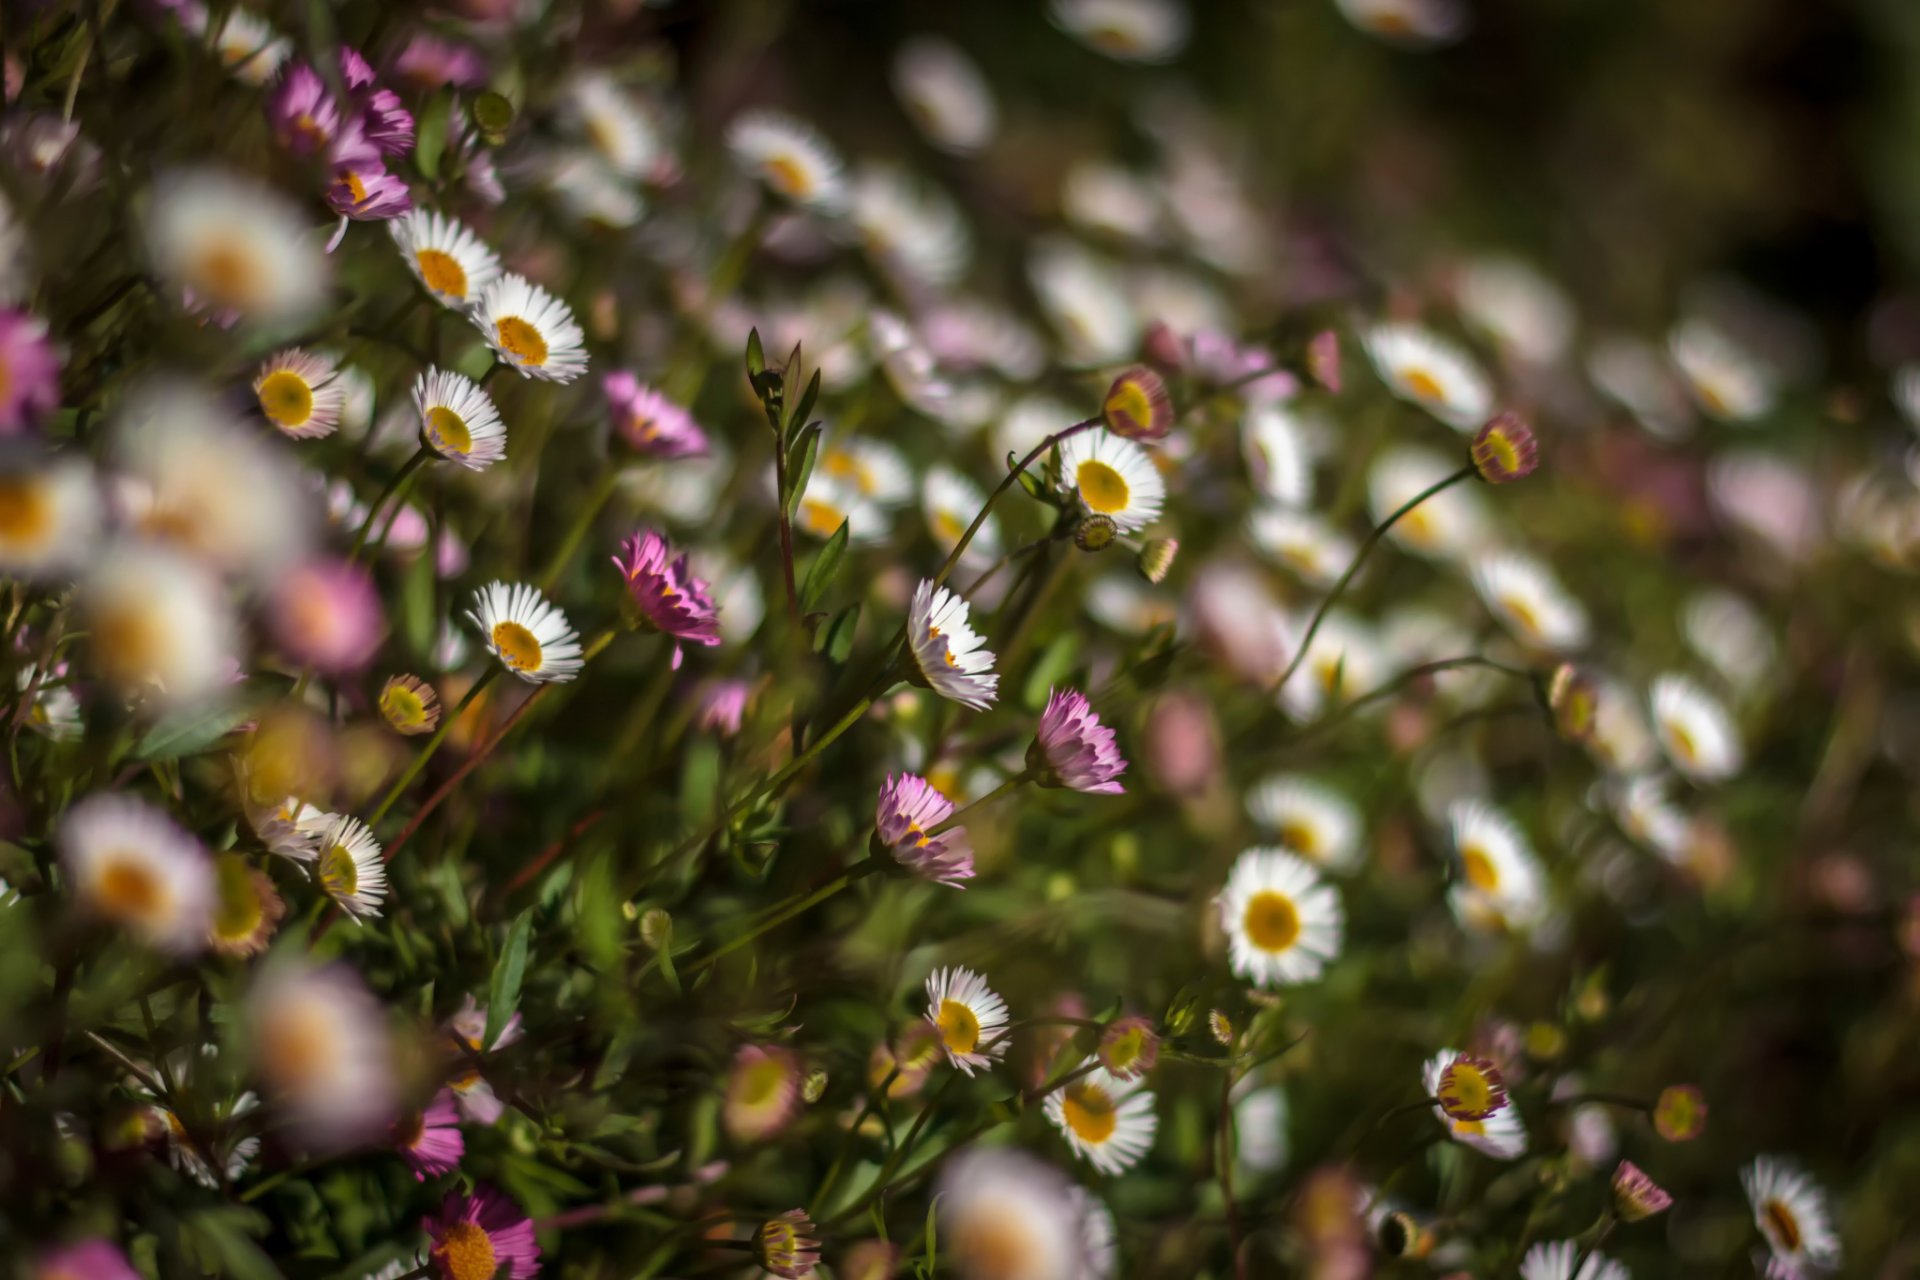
[(411, 465), (1394, 685), (433, 745), (960, 547), (793, 907), (953, 819), (590, 510)]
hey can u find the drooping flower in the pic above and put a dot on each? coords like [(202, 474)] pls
[(410, 705), (1635, 1195), (29, 371), (951, 659), (483, 1236), (1073, 749), (1791, 1211), (350, 866), (785, 1245), (129, 864), (1112, 477), (321, 1044), (669, 597), (1283, 923), (458, 420), (969, 1017), (531, 330), (429, 1140), (530, 636), (1107, 1121), (648, 422), (445, 256), (909, 809), (762, 1094), (1502, 1134)]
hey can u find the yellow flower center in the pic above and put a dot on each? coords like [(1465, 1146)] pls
[(521, 340), (846, 466), (1124, 1049), (1114, 41), (1713, 398), (820, 518), (356, 187), (26, 514), (226, 274), (989, 1246), (761, 1082), (1089, 1112), (1101, 487), (1523, 614), (1394, 23), (237, 909), (1300, 837), (1786, 1227), (339, 873), (1271, 920), (404, 709), (447, 432), (127, 643), (1498, 453), (959, 1029), (1479, 869), (286, 398), (442, 272), (1468, 1090), (1683, 743), (789, 177), (1129, 405), (127, 888), (1423, 385), (294, 1045), (947, 526), (465, 1252), (516, 646)]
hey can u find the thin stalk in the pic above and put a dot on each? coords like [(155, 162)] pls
[(795, 906), (590, 510), (411, 465), (1036, 604), (785, 521), (1006, 560), (953, 819), (1224, 1167), (1394, 685), (960, 547), (433, 745)]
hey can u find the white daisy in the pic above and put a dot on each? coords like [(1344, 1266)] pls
[(350, 867), (1732, 635), (158, 625), (1423, 368), (291, 828), (1772, 498), (1112, 477), (1726, 381), (1106, 1121), (1502, 1135), (953, 661), (1645, 812), (530, 636), (588, 191), (129, 864), (1343, 661), (969, 1017), (909, 226), (249, 47), (1007, 1216), (950, 501), (1283, 923), (1260, 1124), (301, 393), (1694, 730), (50, 515), (1086, 301), (1499, 885), (1791, 1211), (623, 135), (233, 243), (1622, 741), (789, 157), (1522, 593), (1635, 375), (1563, 1261), (531, 330), (1275, 443), (872, 468), (1304, 543), (944, 94), (458, 420), (1414, 23), (322, 1047), (1113, 201), (1099, 1252), (55, 711), (1519, 308), (1145, 31), (454, 264), (1309, 818), (1450, 524)]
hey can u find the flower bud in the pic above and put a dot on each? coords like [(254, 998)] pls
[(1163, 349), (1635, 1195), (1129, 1048), (1680, 1113), (785, 1245), (1138, 405), (656, 928), (814, 1086), (1221, 1026), (1504, 450), (1323, 359), (1575, 701), (1094, 533), (1156, 559)]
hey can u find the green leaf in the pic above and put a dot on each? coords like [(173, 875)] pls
[(191, 732), (756, 357), (1056, 660), (503, 996), (825, 566), (220, 1241), (1028, 481), (430, 138), (804, 409), (800, 459), (836, 638)]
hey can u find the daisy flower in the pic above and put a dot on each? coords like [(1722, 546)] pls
[(952, 660), (1073, 749), (234, 244), (246, 908), (1512, 303), (249, 47), (1145, 31), (482, 1236), (871, 468), (326, 614), (1107, 1121), (1791, 1211), (908, 809), (1283, 923), (1726, 381), (789, 158), (648, 422), (1501, 1134), (1112, 477), (1129, 1048), (1499, 883), (87, 1260), (1305, 544), (1447, 525), (721, 706), (762, 1093), (410, 705), (1637, 1197), (950, 501), (1344, 660), (1529, 602), (670, 599), (1274, 441), (908, 226), (1007, 1216), (531, 330), (321, 1044), (300, 394), (1308, 818), (1694, 730), (158, 625), (531, 637), (129, 864), (50, 515), (1731, 634), (1086, 300), (1422, 368), (1562, 1261), (29, 371), (55, 711), (350, 866), (471, 1091), (622, 135), (1466, 1087), (1645, 812), (429, 1140), (290, 828), (944, 94), (968, 1016), (445, 256), (785, 1247), (458, 419), (1413, 23)]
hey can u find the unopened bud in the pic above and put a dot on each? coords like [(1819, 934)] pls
[(1680, 1113), (1221, 1026), (1156, 559), (1095, 533), (656, 928), (1635, 1195), (1138, 405), (1575, 701), (814, 1086), (1323, 359), (1504, 450), (1163, 349)]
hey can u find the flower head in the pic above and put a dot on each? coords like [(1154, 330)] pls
[(429, 1139), (721, 706), (1499, 878), (1695, 730), (445, 256), (129, 864), (969, 1017), (87, 1260), (1323, 360), (669, 597), (1073, 749), (785, 1245), (1283, 923), (482, 1236), (458, 419), (1529, 601), (1143, 31), (1791, 1211), (1471, 1088), (1500, 1134), (326, 614), (530, 636), (51, 514), (1725, 380), (1138, 405), (410, 705), (301, 393), (1106, 1120), (1635, 1195), (321, 1045), (1425, 369), (789, 158), (909, 809), (1680, 1113), (1007, 1216), (944, 94), (951, 659), (1112, 477), (1308, 818), (350, 866), (1567, 1260), (246, 907), (531, 330), (1504, 449), (1129, 1048), (648, 422), (29, 371), (763, 1092)]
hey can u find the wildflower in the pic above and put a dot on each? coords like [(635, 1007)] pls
[(55, 711), (1680, 1113), (246, 908), (289, 827), (301, 394), (410, 705), (1422, 368), (1221, 1028), (968, 1016), (1087, 301), (130, 865), (50, 515), (907, 1061), (1694, 730), (1504, 449), (362, 190), (872, 468), (530, 330), (458, 420), (1791, 1211), (87, 1260), (1145, 31), (1006, 1216), (1106, 1120), (350, 866), (648, 422), (949, 501), (429, 62), (1304, 543), (763, 1092), (301, 109), (1343, 659), (1529, 601), (321, 1045), (1470, 1088), (785, 1245), (249, 47), (944, 94), (909, 809), (1499, 883), (1138, 405), (670, 599), (1112, 477), (1729, 383), (1558, 1262), (445, 256), (1283, 923), (1635, 1195), (531, 637), (483, 1236), (1156, 559), (429, 1139), (1519, 308), (950, 659), (789, 158), (1448, 524), (871, 1260), (909, 227), (622, 135), (29, 371), (1730, 633), (471, 1091), (1129, 1048), (1309, 818), (1073, 749), (326, 614), (1501, 1134), (234, 244), (1575, 702)]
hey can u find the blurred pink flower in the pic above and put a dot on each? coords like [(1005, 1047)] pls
[(429, 62), (1073, 749), (910, 807), (722, 706), (88, 1260), (29, 371), (430, 1140), (327, 614), (669, 597), (648, 421)]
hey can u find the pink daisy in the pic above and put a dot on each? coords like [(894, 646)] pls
[(669, 597), (476, 1236), (1073, 749), (88, 1260), (909, 808), (29, 371), (721, 705), (327, 614), (648, 421), (430, 1140)]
